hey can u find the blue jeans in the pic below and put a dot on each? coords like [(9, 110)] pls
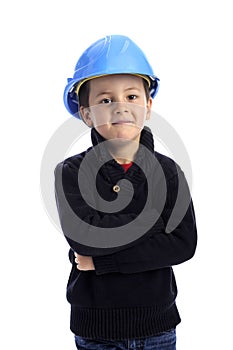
[(163, 341)]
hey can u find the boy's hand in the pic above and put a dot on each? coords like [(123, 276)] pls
[(84, 263)]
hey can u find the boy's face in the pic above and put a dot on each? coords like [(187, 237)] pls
[(117, 106)]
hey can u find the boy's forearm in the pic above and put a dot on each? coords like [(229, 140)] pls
[(159, 250)]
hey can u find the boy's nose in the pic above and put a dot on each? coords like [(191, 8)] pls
[(120, 108)]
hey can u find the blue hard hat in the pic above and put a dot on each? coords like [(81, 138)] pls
[(113, 54)]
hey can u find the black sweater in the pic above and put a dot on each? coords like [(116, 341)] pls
[(132, 291)]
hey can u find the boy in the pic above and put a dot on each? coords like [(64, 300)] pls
[(115, 203)]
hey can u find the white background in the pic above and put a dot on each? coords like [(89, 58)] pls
[(189, 44)]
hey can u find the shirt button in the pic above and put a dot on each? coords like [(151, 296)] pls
[(116, 188)]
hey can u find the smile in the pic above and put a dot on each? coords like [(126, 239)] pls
[(121, 122)]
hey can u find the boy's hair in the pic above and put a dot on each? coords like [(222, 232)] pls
[(83, 95)]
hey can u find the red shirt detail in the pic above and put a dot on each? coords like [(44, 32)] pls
[(126, 166)]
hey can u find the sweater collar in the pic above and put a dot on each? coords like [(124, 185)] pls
[(114, 171)]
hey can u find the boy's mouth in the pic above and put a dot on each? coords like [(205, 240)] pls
[(122, 122)]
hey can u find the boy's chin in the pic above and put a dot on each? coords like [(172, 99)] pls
[(131, 133), (123, 134)]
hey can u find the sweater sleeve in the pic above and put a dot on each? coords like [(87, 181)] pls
[(165, 245), (72, 206)]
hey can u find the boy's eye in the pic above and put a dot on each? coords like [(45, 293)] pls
[(132, 97), (106, 101)]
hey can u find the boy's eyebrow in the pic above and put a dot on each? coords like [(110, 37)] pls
[(133, 88), (103, 93), (110, 92)]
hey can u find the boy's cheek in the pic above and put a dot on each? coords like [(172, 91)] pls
[(100, 120), (95, 115)]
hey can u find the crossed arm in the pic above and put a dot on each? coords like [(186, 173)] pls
[(156, 249)]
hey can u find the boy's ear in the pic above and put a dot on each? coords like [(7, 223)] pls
[(149, 105), (86, 116)]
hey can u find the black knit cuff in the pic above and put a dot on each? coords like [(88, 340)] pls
[(105, 264), (71, 255)]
